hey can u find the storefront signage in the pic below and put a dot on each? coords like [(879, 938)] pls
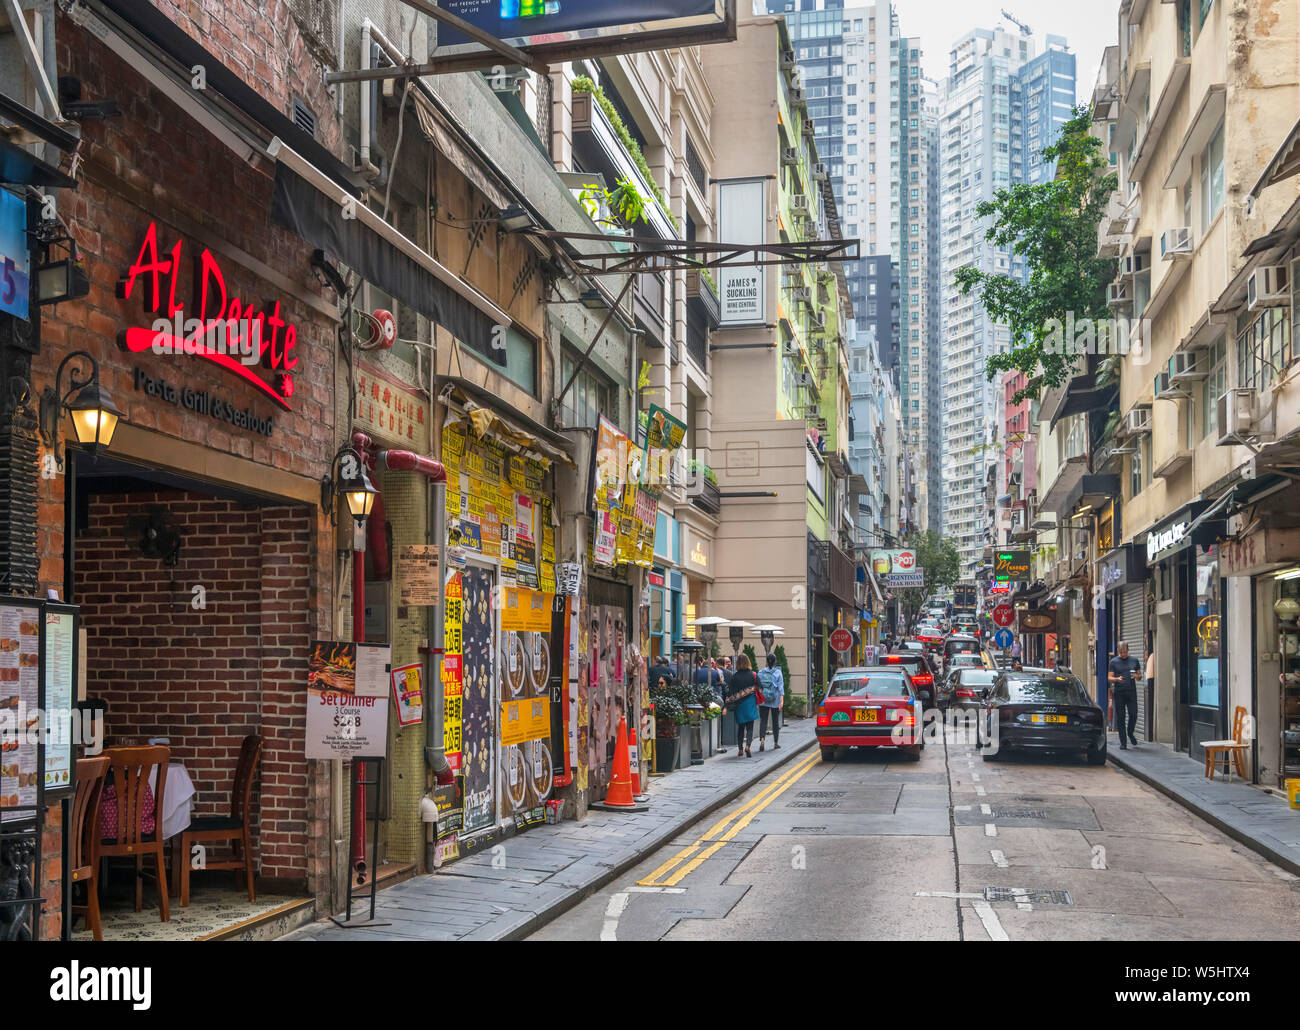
[(386, 409), (1261, 551), (233, 333), (201, 402), (15, 255), (418, 574), (408, 695), (697, 557), (1164, 540), (345, 718), (742, 218), (526, 611), (1121, 567), (1037, 622), (1012, 566), (527, 719)]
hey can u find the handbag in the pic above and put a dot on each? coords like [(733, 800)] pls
[(758, 694)]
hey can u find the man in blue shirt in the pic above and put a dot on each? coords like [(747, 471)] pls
[(1122, 675)]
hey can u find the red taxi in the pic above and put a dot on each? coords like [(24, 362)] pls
[(871, 706)]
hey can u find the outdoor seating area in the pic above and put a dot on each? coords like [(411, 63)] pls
[(132, 806)]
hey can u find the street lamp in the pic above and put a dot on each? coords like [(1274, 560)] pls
[(737, 629), (708, 629), (768, 634), (94, 415), (352, 482)]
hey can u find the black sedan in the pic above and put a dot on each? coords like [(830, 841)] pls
[(1040, 710)]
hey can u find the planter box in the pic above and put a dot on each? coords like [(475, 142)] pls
[(666, 752)]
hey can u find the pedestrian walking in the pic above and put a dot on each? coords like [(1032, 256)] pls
[(741, 698), (1122, 675), (1015, 649), (709, 674), (771, 684)]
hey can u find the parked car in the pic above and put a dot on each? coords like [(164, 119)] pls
[(1040, 709), (871, 706)]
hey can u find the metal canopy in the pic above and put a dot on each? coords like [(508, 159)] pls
[(651, 254)]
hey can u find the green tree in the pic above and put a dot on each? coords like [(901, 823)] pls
[(1053, 226), (938, 558)]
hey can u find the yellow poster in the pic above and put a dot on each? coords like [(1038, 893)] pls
[(526, 611), (525, 719)]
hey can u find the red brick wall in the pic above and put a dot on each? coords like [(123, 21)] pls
[(207, 677)]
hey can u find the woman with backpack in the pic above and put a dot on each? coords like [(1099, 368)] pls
[(741, 697), (771, 685)]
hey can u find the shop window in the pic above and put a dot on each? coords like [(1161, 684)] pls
[(1205, 641)]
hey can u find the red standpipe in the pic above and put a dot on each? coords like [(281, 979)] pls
[(409, 461)]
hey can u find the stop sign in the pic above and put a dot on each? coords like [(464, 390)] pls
[(1004, 615), (842, 640)]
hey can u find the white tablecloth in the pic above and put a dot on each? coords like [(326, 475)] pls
[(178, 799)]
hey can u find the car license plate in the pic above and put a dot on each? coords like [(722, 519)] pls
[(866, 715), (1047, 718)]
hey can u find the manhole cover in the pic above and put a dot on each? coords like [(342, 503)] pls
[(822, 794), (1019, 813), (1029, 895), (814, 804), (807, 829)]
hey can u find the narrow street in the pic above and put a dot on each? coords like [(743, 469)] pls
[(872, 847)]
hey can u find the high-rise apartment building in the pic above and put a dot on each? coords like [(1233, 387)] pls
[(1001, 105)]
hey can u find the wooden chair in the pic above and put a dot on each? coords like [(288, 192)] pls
[(233, 829), (132, 767), (83, 838), (1234, 748)]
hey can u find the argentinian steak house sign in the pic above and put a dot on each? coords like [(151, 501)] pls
[(249, 339)]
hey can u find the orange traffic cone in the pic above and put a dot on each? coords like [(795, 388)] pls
[(634, 759), (620, 782)]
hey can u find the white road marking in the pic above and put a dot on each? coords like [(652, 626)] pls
[(947, 894), (990, 920), (615, 908), (656, 890), (961, 808), (1024, 906), (1000, 860), (985, 810), (980, 791), (990, 830), (975, 777)]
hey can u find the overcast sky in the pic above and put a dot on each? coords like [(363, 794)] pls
[(1088, 25)]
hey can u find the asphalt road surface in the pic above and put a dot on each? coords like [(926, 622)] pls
[(875, 846)]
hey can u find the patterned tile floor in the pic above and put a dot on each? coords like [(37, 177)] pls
[(212, 910)]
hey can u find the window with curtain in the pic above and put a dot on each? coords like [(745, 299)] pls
[(1205, 11)]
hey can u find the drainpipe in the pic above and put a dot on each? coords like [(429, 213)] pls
[(435, 755), (366, 87)]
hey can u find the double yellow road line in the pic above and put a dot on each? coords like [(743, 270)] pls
[(691, 858)]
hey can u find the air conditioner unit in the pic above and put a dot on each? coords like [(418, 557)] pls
[(1175, 241), (801, 295), (790, 349), (789, 156), (1242, 417), (796, 96), (803, 379), (1137, 422), (789, 269), (1268, 286), (821, 174), (1119, 294), (1166, 389), (787, 61), (1187, 366), (799, 202), (817, 321), (1131, 265)]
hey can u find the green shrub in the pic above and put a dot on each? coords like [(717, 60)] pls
[(796, 706)]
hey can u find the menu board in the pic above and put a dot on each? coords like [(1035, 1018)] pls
[(20, 703), (61, 671), (342, 721)]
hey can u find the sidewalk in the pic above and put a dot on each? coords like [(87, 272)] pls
[(549, 869), (1264, 823)]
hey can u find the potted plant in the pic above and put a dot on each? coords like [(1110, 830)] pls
[(670, 714), (624, 201)]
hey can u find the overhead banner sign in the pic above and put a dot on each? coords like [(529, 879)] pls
[(15, 256), (742, 218), (521, 20)]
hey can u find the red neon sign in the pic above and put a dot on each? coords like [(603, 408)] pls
[(244, 335)]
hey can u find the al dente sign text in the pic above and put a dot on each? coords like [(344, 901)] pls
[(226, 330)]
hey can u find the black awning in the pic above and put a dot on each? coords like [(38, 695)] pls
[(160, 30), (1093, 488), (298, 205), (19, 167)]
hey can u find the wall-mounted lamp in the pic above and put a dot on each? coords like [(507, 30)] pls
[(94, 415), (516, 218), (352, 482), (63, 280)]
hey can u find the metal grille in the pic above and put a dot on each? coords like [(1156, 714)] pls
[(1019, 813), (1028, 895), (814, 804), (303, 117), (807, 829), (696, 167), (822, 794)]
